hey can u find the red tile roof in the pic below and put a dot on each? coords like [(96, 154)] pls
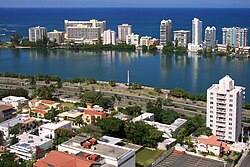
[(29, 120), (6, 107), (48, 102), (26, 107), (62, 159), (32, 100), (93, 112), (39, 111), (213, 141), (42, 107)]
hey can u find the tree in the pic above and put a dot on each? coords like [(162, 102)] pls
[(164, 116), (158, 103), (51, 114), (112, 83), (176, 42), (79, 120), (91, 97), (133, 111), (91, 80), (135, 86), (1, 138), (104, 102), (143, 134), (33, 82), (47, 80), (15, 130), (45, 92), (59, 83), (203, 131), (62, 135), (158, 90), (15, 39), (111, 126)]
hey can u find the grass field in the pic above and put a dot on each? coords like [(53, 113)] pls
[(145, 157), (69, 105)]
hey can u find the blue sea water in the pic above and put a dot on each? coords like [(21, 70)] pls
[(144, 21)]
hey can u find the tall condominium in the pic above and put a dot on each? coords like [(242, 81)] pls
[(123, 31), (56, 36), (132, 39), (210, 37), (196, 31), (224, 109), (182, 38), (84, 31), (109, 37), (234, 36), (165, 32), (37, 33)]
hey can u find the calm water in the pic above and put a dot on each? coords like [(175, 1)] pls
[(192, 73)]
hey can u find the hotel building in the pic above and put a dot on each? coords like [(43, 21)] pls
[(109, 37), (165, 32), (196, 35), (224, 109), (123, 31), (234, 36), (210, 37), (183, 37), (37, 33)]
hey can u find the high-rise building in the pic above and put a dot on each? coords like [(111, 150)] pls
[(224, 109), (234, 36), (37, 33), (84, 31), (132, 39), (57, 36), (196, 35), (165, 32), (183, 37), (145, 41), (210, 37), (123, 31), (109, 37)]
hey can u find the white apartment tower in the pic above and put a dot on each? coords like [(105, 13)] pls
[(196, 31), (132, 39), (109, 37), (123, 31), (224, 109), (234, 36), (210, 37), (183, 37), (37, 33), (165, 32)]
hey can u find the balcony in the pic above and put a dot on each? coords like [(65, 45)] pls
[(220, 134), (221, 115), (223, 111), (223, 130), (220, 120)]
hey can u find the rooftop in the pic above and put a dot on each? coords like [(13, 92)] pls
[(54, 126), (101, 148), (72, 113), (213, 141), (12, 122), (31, 140), (62, 159), (93, 112), (48, 102), (6, 107), (39, 111), (14, 98), (110, 140)]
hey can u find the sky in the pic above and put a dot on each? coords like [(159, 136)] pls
[(128, 3)]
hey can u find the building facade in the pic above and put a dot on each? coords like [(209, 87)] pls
[(56, 36), (37, 33), (165, 32), (132, 39), (145, 41), (123, 31), (210, 37), (224, 109), (109, 37), (234, 36), (196, 35), (183, 37)]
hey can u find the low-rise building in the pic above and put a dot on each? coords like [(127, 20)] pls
[(7, 111), (132, 39), (62, 159), (56, 36), (28, 146), (14, 100), (183, 37), (105, 153), (91, 114), (145, 40), (7, 125), (49, 130), (211, 144), (71, 115), (154, 41)]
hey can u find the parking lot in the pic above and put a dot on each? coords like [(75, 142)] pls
[(185, 160)]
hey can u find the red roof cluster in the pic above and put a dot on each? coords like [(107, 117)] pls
[(6, 107), (62, 159), (39, 111), (93, 112), (213, 141), (42, 107), (48, 102)]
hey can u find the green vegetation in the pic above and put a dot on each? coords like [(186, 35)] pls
[(51, 114), (20, 92), (246, 106), (8, 160), (158, 90), (170, 49), (163, 116), (112, 83), (179, 93), (135, 86), (97, 98), (146, 156), (46, 92), (62, 135), (132, 111), (203, 131), (100, 47)]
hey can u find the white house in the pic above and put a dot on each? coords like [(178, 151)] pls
[(14, 100)]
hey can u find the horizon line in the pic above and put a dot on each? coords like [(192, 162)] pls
[(145, 7)]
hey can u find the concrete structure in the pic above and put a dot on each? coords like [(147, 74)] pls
[(48, 130), (37, 33), (28, 144), (6, 112), (62, 159), (144, 117), (132, 39), (56, 36), (196, 35), (224, 109), (145, 41), (211, 144), (106, 153), (71, 115), (165, 32), (123, 31), (234, 36), (14, 101), (109, 37), (84, 31), (6, 125), (210, 37), (183, 37)]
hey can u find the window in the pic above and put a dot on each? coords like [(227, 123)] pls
[(230, 105), (230, 123), (211, 116), (230, 119), (230, 128), (230, 100), (230, 133), (230, 109), (211, 98), (230, 137), (230, 114), (211, 125), (211, 107), (211, 93), (211, 102), (211, 112), (231, 96), (211, 120)]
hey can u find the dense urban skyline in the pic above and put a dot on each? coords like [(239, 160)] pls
[(128, 3)]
